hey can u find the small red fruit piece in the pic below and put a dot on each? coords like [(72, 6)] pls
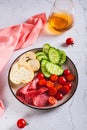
[(40, 75), (58, 86), (69, 41), (65, 90), (70, 77), (49, 84), (59, 96), (62, 80), (21, 123), (52, 91), (52, 100), (66, 72), (69, 84), (41, 82), (53, 77)]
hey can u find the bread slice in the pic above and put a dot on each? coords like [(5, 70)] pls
[(27, 56), (29, 60), (34, 64), (20, 74)]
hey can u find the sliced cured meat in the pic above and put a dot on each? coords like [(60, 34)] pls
[(33, 84), (22, 99), (41, 100), (42, 90), (30, 95), (27, 93), (22, 91)]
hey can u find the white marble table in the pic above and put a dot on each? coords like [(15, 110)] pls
[(73, 114)]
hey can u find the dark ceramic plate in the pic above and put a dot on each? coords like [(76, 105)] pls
[(69, 64)]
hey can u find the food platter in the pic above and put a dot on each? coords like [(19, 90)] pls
[(68, 64)]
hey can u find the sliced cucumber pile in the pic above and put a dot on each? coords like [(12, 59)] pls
[(51, 60), (46, 48), (53, 55), (41, 55), (62, 57), (54, 69), (43, 68)]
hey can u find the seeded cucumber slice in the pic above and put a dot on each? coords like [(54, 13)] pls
[(43, 68), (54, 69), (54, 55), (62, 57), (40, 53), (40, 57), (46, 48)]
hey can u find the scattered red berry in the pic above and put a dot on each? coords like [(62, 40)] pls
[(66, 72), (21, 123), (53, 91), (53, 77), (59, 96), (65, 89), (62, 80), (49, 84), (69, 41), (40, 76), (69, 84), (52, 100), (41, 82), (58, 86), (70, 77)]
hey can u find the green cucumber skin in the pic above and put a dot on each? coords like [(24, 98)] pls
[(54, 69), (51, 60), (53, 55), (41, 57), (62, 57), (40, 53), (46, 47), (43, 68)]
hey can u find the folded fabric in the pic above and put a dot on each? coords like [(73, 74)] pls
[(19, 36), (1, 108)]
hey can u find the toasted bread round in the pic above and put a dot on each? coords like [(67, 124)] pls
[(20, 74), (24, 64), (34, 64), (27, 56), (29, 60)]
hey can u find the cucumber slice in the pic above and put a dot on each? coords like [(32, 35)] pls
[(43, 68), (40, 57), (54, 69), (46, 48), (40, 53), (54, 55), (62, 57)]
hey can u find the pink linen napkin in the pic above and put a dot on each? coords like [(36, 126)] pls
[(1, 108), (19, 36)]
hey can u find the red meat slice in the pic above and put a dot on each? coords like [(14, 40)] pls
[(41, 100), (42, 90), (33, 93), (22, 99), (33, 84), (30, 95), (23, 90)]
